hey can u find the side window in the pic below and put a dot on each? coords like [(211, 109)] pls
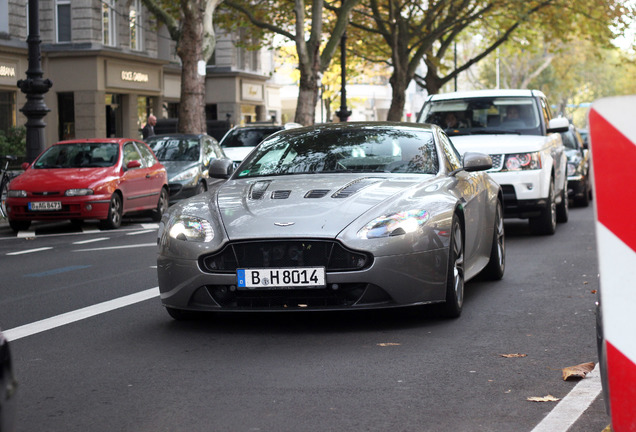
[(131, 154), (453, 159), (147, 155)]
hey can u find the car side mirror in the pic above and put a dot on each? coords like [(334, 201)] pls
[(25, 165), (221, 168), (559, 124), (474, 161), (133, 164)]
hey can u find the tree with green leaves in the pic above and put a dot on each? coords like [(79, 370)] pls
[(304, 25), (190, 24)]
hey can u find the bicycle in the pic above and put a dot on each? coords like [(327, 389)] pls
[(4, 184)]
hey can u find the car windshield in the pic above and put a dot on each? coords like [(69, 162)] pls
[(175, 149), (246, 137), (484, 115), (360, 149), (79, 155)]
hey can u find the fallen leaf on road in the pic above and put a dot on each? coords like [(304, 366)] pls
[(513, 355), (548, 398), (578, 371), (385, 344), (593, 291)]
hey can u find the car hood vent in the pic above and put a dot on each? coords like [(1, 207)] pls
[(257, 191), (281, 194), (317, 193), (355, 186)]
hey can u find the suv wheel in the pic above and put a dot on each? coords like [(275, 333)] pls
[(546, 222), (563, 209)]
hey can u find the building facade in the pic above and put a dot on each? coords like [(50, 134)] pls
[(111, 66)]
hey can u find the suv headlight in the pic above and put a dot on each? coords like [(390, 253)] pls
[(190, 228), (394, 224), (522, 161)]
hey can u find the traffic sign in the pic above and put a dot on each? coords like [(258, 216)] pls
[(613, 142)]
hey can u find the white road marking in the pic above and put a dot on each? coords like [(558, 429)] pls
[(29, 251), (116, 247), (150, 226), (570, 408), (79, 314), (140, 232), (91, 240)]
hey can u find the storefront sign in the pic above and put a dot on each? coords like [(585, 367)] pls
[(134, 76), (7, 71), (252, 92)]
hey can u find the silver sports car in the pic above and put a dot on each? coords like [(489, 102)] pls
[(335, 217)]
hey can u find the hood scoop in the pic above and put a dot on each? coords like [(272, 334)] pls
[(317, 193), (281, 194), (257, 190), (355, 186)]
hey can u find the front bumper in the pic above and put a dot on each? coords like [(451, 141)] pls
[(81, 207), (525, 192), (391, 281)]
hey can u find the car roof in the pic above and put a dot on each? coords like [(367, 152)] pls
[(487, 93), (361, 125), (97, 141)]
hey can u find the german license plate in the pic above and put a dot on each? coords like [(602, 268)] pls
[(45, 205), (281, 278)]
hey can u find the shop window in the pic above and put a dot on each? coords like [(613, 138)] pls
[(66, 115), (211, 112), (63, 16), (135, 23), (108, 22), (7, 110), (4, 16)]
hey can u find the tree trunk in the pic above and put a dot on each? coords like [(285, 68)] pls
[(307, 98), (399, 83), (190, 51)]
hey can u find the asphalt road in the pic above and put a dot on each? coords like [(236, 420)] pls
[(133, 368)]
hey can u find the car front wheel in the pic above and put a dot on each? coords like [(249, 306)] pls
[(497, 263), (115, 212), (452, 308), (162, 206), (546, 222)]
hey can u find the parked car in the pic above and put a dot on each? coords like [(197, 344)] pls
[(579, 182), (240, 140), (8, 387), (338, 216), (187, 158), (516, 128), (102, 178)]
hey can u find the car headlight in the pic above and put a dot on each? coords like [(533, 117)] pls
[(78, 192), (571, 169), (522, 161), (190, 228), (394, 224), (188, 174), (17, 193)]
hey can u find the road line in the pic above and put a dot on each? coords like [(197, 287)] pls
[(570, 408), (57, 271), (29, 251), (79, 314), (117, 247), (90, 240), (140, 232)]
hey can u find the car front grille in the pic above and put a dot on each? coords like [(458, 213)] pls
[(497, 162), (285, 253)]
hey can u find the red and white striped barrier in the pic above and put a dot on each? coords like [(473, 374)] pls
[(613, 141)]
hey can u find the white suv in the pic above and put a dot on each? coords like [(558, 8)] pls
[(516, 128)]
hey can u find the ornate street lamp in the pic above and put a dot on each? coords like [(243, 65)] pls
[(34, 87), (343, 113)]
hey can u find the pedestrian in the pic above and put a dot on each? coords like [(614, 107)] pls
[(149, 129)]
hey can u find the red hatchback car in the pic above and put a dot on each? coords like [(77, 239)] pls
[(89, 179)]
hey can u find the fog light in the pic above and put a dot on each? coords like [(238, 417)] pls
[(530, 186), (335, 287), (88, 207)]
